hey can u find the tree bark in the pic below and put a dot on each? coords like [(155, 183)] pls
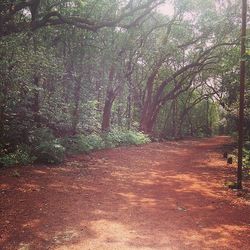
[(110, 97), (106, 117), (76, 111), (174, 120), (242, 95), (36, 104)]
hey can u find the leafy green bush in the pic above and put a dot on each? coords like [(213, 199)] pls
[(95, 141), (40, 135), (49, 152), (135, 138), (86, 143), (46, 148), (21, 156), (125, 137), (112, 139), (246, 158), (83, 143), (70, 145), (246, 161)]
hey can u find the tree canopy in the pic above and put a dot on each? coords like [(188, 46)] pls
[(73, 69)]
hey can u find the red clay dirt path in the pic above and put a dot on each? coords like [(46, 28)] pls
[(157, 196)]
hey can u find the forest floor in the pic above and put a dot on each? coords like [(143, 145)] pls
[(168, 195)]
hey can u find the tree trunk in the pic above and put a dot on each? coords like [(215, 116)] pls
[(209, 132), (191, 126), (75, 114), (36, 105), (110, 97), (2, 108), (106, 117), (148, 120), (242, 93), (119, 115), (149, 108), (174, 115)]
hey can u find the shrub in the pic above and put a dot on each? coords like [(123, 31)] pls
[(40, 135), (95, 141), (46, 147), (21, 156), (125, 137), (69, 143), (86, 143), (113, 139), (49, 152), (83, 143), (246, 158), (247, 145), (135, 138)]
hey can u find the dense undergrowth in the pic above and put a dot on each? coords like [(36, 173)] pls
[(246, 159), (44, 147), (246, 155)]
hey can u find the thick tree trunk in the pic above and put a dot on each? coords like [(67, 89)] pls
[(144, 126), (182, 118), (148, 120), (181, 122), (148, 116), (110, 97), (242, 94), (191, 132), (106, 117), (147, 128)]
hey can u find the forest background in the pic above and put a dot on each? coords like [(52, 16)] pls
[(76, 76)]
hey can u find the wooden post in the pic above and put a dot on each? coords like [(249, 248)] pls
[(242, 92)]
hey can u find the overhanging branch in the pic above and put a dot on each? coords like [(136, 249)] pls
[(9, 25)]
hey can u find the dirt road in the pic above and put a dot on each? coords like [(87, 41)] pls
[(157, 196)]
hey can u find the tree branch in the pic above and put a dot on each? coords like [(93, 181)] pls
[(9, 25)]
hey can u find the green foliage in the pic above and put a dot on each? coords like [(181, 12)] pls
[(83, 143), (21, 156), (246, 158), (94, 141), (46, 148), (50, 152), (125, 137), (59, 77), (40, 135)]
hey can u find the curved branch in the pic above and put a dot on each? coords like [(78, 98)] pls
[(10, 26)]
